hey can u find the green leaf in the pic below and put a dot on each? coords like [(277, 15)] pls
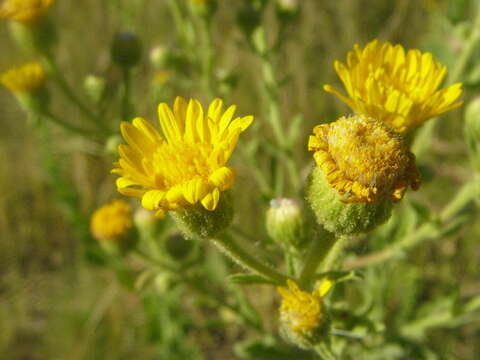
[(249, 279), (339, 276)]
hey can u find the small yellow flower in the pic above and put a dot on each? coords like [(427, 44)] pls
[(187, 165), (300, 310), (396, 87), (363, 160), (25, 78), (112, 222), (25, 11)]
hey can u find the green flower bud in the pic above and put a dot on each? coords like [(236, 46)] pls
[(287, 10), (126, 49), (159, 56), (94, 87), (196, 221), (178, 247), (285, 223), (147, 223)]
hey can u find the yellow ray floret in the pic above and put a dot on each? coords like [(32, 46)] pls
[(112, 221), (25, 11), (396, 87), (363, 160), (301, 310), (186, 165), (25, 78)]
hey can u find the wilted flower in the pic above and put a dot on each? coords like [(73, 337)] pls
[(25, 11), (396, 87), (186, 165)]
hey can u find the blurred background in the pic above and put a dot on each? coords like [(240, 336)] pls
[(59, 301)]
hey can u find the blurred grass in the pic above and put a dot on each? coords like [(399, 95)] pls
[(56, 305)]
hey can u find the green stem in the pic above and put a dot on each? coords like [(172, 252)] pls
[(50, 117), (70, 95), (207, 56), (467, 51), (126, 72), (243, 258), (319, 250), (154, 261), (176, 14), (334, 254)]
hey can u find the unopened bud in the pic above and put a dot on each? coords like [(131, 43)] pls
[(287, 10), (126, 49), (285, 222), (159, 56), (94, 87), (178, 247)]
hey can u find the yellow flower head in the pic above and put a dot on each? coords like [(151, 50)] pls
[(186, 165), (112, 221), (25, 78), (364, 160), (396, 87), (25, 11), (300, 310)]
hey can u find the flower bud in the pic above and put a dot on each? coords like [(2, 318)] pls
[(196, 221), (178, 247), (94, 87), (126, 49), (112, 226), (362, 169), (287, 10), (159, 56), (285, 223)]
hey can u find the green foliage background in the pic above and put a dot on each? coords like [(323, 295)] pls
[(59, 300)]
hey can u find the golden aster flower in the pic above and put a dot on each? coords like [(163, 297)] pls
[(25, 78), (363, 160), (396, 87), (300, 310), (25, 11), (112, 222), (187, 165)]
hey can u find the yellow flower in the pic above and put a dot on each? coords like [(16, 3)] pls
[(397, 88), (25, 78), (300, 310), (364, 160), (112, 222), (25, 11), (187, 165)]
